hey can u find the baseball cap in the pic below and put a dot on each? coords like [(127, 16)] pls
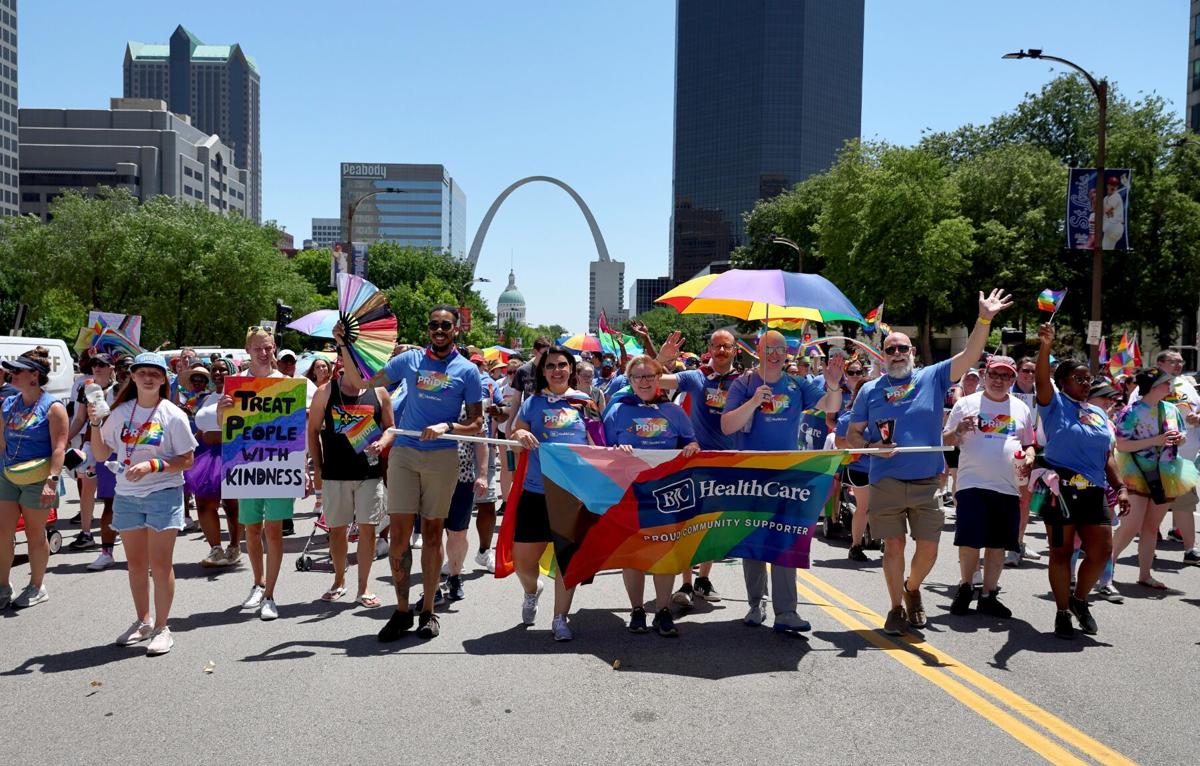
[(149, 359), (971, 371), (1002, 361), (477, 358), (287, 353), (1101, 389), (1148, 379), (101, 359)]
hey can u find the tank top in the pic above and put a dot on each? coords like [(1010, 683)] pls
[(26, 429), (339, 461)]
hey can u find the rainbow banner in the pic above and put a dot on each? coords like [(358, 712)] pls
[(661, 513), (263, 438), (357, 423), (1050, 300)]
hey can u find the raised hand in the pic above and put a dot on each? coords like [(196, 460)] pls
[(835, 369), (669, 350), (994, 303), (1046, 335)]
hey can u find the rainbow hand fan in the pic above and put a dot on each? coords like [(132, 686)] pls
[(370, 325)]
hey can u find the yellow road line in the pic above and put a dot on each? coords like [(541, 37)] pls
[(1047, 720)]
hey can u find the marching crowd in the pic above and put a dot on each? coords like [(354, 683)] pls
[(1099, 462)]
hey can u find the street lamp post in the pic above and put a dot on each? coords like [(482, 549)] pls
[(467, 286), (354, 206), (799, 250), (1100, 88)]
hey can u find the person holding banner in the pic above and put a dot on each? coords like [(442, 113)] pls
[(904, 408), (764, 409), (422, 471), (153, 443), (34, 442), (345, 430), (646, 419)]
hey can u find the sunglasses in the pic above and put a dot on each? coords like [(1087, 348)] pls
[(444, 325), (899, 348), (1001, 376), (853, 373), (775, 349), (558, 365)]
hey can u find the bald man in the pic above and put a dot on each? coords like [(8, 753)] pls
[(764, 409), (904, 486)]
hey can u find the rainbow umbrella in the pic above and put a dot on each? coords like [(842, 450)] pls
[(318, 324), (762, 295), (582, 342), (498, 352)]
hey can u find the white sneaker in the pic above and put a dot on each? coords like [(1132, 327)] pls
[(757, 614), (215, 557), (977, 579), (160, 643), (31, 596), (562, 632), (530, 604), (487, 560), (268, 611), (416, 540), (233, 554), (102, 562), (1029, 554), (137, 632), (255, 599), (381, 548), (1012, 559)]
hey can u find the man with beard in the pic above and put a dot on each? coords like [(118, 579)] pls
[(422, 471), (903, 408)]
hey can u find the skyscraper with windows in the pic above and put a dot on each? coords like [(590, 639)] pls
[(216, 85), (426, 209), (9, 162), (326, 231), (1193, 82), (766, 93)]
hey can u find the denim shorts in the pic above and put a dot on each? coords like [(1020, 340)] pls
[(160, 511)]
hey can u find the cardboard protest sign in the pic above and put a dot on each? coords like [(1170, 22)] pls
[(263, 438)]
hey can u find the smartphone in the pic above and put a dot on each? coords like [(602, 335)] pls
[(511, 459)]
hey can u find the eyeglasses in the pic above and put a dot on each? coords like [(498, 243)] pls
[(775, 349), (557, 366), (444, 325), (643, 378), (853, 373), (1083, 380), (722, 347), (899, 348), (1001, 376)]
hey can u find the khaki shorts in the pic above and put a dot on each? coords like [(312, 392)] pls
[(898, 506), (421, 481), (1185, 502), (346, 501)]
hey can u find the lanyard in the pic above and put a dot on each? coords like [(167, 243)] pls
[(131, 438)]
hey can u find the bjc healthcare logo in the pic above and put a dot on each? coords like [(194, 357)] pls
[(677, 497)]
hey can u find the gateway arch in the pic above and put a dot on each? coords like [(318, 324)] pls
[(477, 243)]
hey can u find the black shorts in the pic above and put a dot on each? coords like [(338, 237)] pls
[(951, 458), (461, 504), (855, 477), (985, 518), (533, 520), (1078, 506)]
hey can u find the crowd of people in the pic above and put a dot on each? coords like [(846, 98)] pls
[(1100, 462)]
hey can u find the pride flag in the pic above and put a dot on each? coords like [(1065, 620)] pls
[(873, 318), (1050, 300), (659, 512), (357, 423)]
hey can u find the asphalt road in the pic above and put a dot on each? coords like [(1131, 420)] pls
[(316, 684)]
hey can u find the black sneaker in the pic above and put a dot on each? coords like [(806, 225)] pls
[(84, 541), (76, 521), (439, 598), (428, 625), (683, 597), (704, 589), (1063, 627), (454, 588), (1087, 623), (962, 599), (1192, 557), (637, 621), (991, 606), (397, 625), (289, 527), (857, 553), (1175, 535), (664, 623)]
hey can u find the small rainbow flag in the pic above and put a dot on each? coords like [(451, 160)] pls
[(1050, 300), (357, 423), (873, 319)]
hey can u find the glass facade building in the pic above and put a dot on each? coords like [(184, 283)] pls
[(1193, 80), (428, 209), (766, 93), (9, 161)]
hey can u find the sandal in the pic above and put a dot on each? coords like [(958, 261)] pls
[(1152, 583), (369, 600), (333, 594)]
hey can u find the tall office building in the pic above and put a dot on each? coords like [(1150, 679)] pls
[(606, 292), (427, 208), (326, 231), (9, 159), (645, 291), (216, 85), (1193, 83), (766, 93)]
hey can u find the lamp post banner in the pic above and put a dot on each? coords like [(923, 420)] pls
[(1080, 226), (348, 257)]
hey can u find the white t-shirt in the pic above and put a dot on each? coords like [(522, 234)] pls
[(206, 413), (986, 454), (138, 434)]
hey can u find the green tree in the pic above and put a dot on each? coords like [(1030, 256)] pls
[(663, 320)]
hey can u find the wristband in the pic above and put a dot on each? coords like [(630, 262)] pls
[(982, 321), (157, 466)]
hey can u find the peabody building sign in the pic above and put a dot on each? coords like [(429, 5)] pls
[(360, 170)]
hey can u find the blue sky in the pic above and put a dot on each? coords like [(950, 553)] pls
[(579, 90)]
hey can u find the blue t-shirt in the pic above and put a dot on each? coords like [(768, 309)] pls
[(613, 384), (437, 390), (648, 426), (916, 403), (1078, 437), (707, 395), (26, 429), (555, 422), (399, 395), (775, 425), (861, 462)]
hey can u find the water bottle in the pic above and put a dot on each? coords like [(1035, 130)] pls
[(116, 466), (372, 458), (95, 395), (1018, 461)]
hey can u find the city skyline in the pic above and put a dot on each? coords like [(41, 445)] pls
[(580, 93)]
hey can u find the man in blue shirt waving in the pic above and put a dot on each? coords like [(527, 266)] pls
[(422, 471), (903, 408)]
